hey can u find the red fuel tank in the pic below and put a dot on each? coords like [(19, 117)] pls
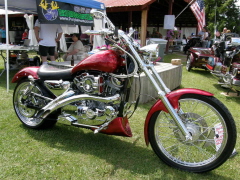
[(105, 61)]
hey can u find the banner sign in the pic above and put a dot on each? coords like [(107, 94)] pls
[(53, 12)]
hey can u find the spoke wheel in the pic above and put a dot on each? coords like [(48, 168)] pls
[(211, 126), (22, 99)]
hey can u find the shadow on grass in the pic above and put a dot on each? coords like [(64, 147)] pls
[(118, 152), (203, 72), (227, 93), (3, 79)]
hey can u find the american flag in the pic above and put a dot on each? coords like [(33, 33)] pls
[(199, 11)]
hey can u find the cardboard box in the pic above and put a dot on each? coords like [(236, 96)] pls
[(176, 61)]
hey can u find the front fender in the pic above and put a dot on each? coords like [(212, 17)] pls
[(192, 56), (25, 72), (173, 98)]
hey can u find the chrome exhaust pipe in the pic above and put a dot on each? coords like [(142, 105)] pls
[(64, 100)]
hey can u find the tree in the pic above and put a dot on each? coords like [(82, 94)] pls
[(226, 15)]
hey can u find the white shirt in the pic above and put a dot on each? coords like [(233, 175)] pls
[(48, 33), (204, 36), (77, 45)]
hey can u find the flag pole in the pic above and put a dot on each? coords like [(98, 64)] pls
[(189, 4), (215, 22)]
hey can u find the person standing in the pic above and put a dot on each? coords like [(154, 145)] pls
[(224, 30), (210, 41), (3, 34), (204, 37), (47, 36)]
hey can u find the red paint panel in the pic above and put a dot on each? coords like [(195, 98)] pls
[(25, 73), (105, 61), (119, 126)]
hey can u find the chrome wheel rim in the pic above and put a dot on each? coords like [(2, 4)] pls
[(204, 122), (188, 64), (24, 113)]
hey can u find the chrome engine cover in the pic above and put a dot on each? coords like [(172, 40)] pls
[(90, 112), (218, 67), (57, 87), (90, 84)]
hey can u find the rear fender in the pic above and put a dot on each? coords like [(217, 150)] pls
[(24, 73), (173, 98)]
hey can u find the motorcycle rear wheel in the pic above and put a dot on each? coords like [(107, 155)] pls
[(212, 128), (26, 114)]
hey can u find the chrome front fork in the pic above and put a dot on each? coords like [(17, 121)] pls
[(159, 85), (156, 80)]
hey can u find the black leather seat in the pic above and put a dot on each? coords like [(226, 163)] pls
[(54, 72)]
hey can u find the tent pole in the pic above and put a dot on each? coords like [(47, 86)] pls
[(7, 43)]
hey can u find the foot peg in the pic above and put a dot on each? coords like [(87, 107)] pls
[(101, 127)]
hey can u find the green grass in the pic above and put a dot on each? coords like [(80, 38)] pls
[(66, 152)]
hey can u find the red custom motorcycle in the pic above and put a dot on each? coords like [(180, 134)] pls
[(207, 58), (188, 129), (223, 61)]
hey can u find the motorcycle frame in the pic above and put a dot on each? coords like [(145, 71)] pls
[(168, 101)]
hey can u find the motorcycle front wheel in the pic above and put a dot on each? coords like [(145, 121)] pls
[(213, 133), (26, 106)]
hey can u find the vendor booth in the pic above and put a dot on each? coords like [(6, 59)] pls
[(72, 12)]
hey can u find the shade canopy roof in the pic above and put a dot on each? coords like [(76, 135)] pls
[(29, 6), (114, 3)]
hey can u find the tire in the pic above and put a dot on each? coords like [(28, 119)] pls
[(188, 64), (36, 60), (213, 135), (26, 114)]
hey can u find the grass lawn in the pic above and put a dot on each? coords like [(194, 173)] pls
[(66, 152)]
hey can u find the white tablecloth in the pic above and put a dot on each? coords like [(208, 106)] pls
[(18, 48)]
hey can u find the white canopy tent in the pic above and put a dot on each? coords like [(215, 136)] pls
[(31, 34), (2, 11), (30, 7)]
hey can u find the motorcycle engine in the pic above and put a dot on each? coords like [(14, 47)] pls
[(89, 111), (89, 84), (97, 84), (92, 112), (218, 67)]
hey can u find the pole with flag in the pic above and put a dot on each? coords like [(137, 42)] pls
[(215, 21), (198, 9)]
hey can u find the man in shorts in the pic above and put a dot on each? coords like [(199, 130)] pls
[(47, 36)]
